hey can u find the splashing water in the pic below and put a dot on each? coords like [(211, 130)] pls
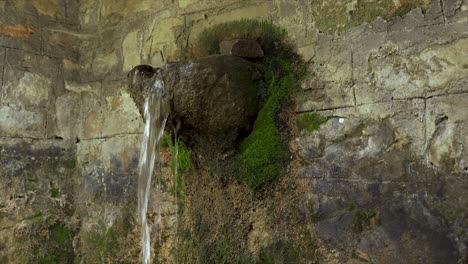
[(155, 114)]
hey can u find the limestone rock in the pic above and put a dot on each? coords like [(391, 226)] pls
[(245, 48)]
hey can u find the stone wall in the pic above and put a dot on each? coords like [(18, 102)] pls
[(384, 177), (39, 41)]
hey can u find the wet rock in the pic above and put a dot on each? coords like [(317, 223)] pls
[(245, 48), (211, 96)]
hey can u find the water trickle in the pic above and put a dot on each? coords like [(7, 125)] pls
[(155, 114)]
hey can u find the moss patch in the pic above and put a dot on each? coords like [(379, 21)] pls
[(55, 192), (262, 154), (361, 220), (180, 163), (311, 121)]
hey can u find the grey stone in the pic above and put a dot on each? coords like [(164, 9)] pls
[(333, 95), (244, 48), (111, 174), (17, 121), (447, 132)]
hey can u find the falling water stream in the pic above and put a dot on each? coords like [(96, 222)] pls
[(155, 115)]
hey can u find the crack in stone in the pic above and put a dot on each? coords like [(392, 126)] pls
[(111, 136), (443, 11), (3, 71)]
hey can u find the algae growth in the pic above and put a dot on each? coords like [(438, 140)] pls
[(262, 155)]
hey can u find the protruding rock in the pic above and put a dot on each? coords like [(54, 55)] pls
[(245, 48), (212, 96)]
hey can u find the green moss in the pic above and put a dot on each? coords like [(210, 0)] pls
[(351, 207), (459, 232), (55, 192), (361, 220), (263, 153), (37, 218), (311, 121), (179, 149), (59, 247)]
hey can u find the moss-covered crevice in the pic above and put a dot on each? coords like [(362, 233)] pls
[(262, 155), (180, 161), (311, 121)]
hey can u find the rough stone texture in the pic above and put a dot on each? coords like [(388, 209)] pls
[(225, 99), (383, 180), (213, 97)]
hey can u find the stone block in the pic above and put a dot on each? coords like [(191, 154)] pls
[(100, 59), (363, 46), (333, 61), (16, 121), (332, 96), (428, 73), (406, 117), (261, 11), (67, 111), (307, 52), (100, 115), (111, 13), (110, 167), (71, 70), (21, 36), (28, 79), (60, 44), (159, 43), (458, 12), (295, 17), (131, 50), (26, 89), (198, 6), (447, 132)]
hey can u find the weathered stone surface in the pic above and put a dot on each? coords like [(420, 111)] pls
[(160, 43), (2, 64), (331, 96), (243, 48), (428, 73), (61, 44), (110, 173), (210, 96), (333, 60), (363, 183), (259, 11), (447, 132), (225, 98), (68, 116), (26, 88), (100, 115), (16, 121), (131, 51)]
